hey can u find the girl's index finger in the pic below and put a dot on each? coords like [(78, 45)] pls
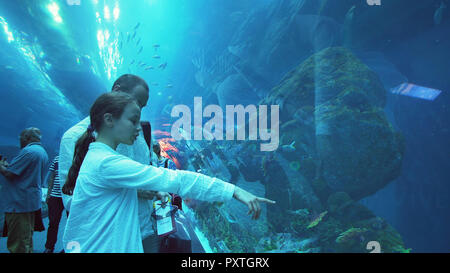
[(266, 200)]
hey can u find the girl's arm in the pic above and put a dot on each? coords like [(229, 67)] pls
[(122, 172), (118, 171)]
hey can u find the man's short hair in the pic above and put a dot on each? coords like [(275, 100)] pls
[(31, 133), (127, 82)]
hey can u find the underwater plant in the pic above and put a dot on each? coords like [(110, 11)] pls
[(350, 235)]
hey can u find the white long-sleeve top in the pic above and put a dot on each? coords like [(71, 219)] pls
[(104, 211), (139, 152)]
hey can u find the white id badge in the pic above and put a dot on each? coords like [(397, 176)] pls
[(165, 220)]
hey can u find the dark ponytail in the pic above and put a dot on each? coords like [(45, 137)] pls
[(113, 103), (81, 149)]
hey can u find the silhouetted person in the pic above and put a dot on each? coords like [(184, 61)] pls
[(21, 194), (55, 206)]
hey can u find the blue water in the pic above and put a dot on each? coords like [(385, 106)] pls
[(58, 56)]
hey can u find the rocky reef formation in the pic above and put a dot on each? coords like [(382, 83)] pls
[(331, 108)]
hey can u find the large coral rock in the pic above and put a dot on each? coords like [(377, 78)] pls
[(336, 103)]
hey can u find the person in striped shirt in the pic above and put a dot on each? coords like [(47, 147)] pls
[(55, 206)]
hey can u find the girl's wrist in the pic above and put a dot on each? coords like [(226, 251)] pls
[(237, 192)]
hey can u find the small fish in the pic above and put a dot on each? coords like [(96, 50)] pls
[(24, 34), (134, 35), (438, 14), (140, 49), (143, 64), (288, 148), (148, 68), (138, 24), (162, 66), (154, 83), (132, 61), (156, 57), (156, 46), (169, 85), (138, 41)]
